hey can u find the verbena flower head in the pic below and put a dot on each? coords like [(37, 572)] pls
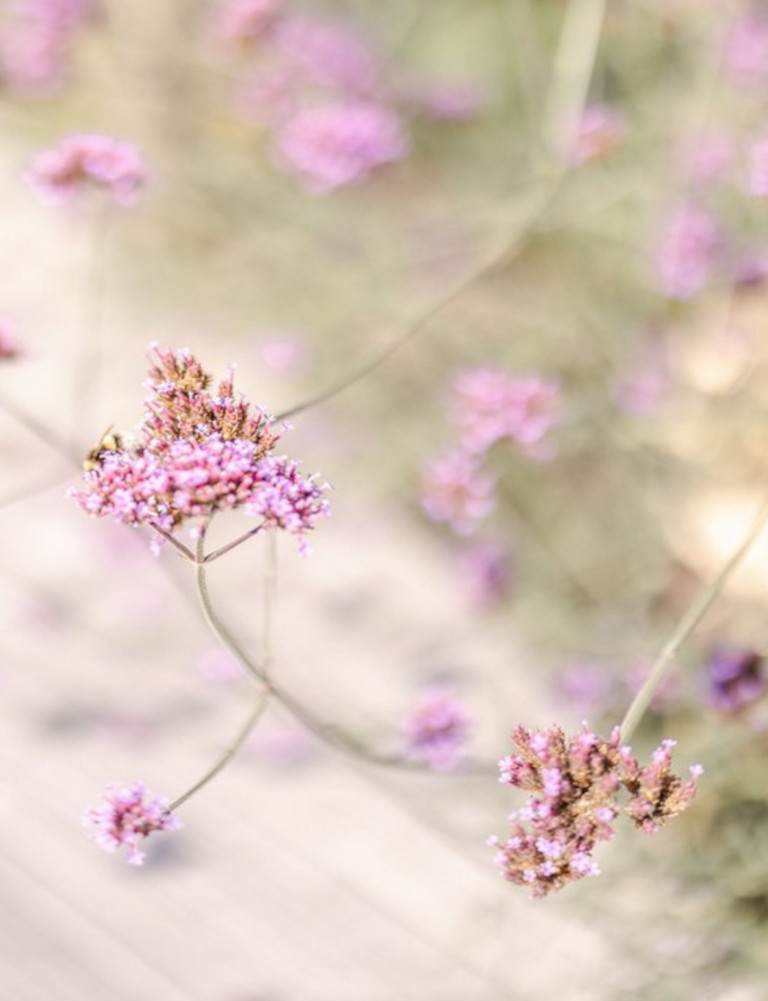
[(456, 491), (198, 452), (338, 144), (688, 252), (88, 161), (490, 404), (128, 815), (735, 678), (436, 730), (574, 784)]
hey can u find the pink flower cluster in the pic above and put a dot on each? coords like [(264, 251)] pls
[(746, 50), (198, 453), (88, 161), (317, 85), (574, 784), (36, 43), (436, 730), (127, 815), (488, 405)]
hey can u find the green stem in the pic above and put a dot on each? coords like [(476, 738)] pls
[(228, 755), (329, 735), (687, 625)]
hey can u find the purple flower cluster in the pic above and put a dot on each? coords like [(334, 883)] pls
[(127, 815), (436, 730), (488, 405), (88, 161), (36, 43), (198, 453), (574, 784), (736, 678), (320, 88)]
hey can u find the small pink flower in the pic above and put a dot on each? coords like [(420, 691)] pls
[(327, 55), (599, 133), (126, 816), (456, 491), (436, 730), (85, 161), (490, 404), (242, 24), (9, 347), (334, 145), (709, 158), (448, 102), (758, 167), (486, 572), (688, 252), (746, 50), (286, 500)]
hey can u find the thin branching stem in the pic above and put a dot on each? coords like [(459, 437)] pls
[(210, 557), (686, 626), (180, 548), (253, 717)]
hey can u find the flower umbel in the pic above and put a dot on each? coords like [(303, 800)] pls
[(436, 730), (81, 162), (198, 453), (574, 784), (126, 815)]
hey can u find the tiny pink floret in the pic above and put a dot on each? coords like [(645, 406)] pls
[(88, 161), (127, 815)]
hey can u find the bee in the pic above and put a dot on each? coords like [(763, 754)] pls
[(109, 442)]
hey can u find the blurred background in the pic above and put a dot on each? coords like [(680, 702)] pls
[(559, 200)]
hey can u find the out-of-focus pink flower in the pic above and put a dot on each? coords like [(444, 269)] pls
[(709, 158), (9, 347), (758, 167), (219, 665), (489, 404), (330, 146), (328, 55), (486, 572), (127, 815), (643, 385), (750, 270), (436, 730), (736, 678), (283, 354), (688, 252), (588, 687), (746, 50), (35, 46), (599, 133), (242, 24), (455, 491), (85, 161), (448, 102)]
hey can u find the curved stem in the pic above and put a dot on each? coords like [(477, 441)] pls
[(504, 254), (180, 548), (688, 623), (40, 430), (328, 734), (229, 754)]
